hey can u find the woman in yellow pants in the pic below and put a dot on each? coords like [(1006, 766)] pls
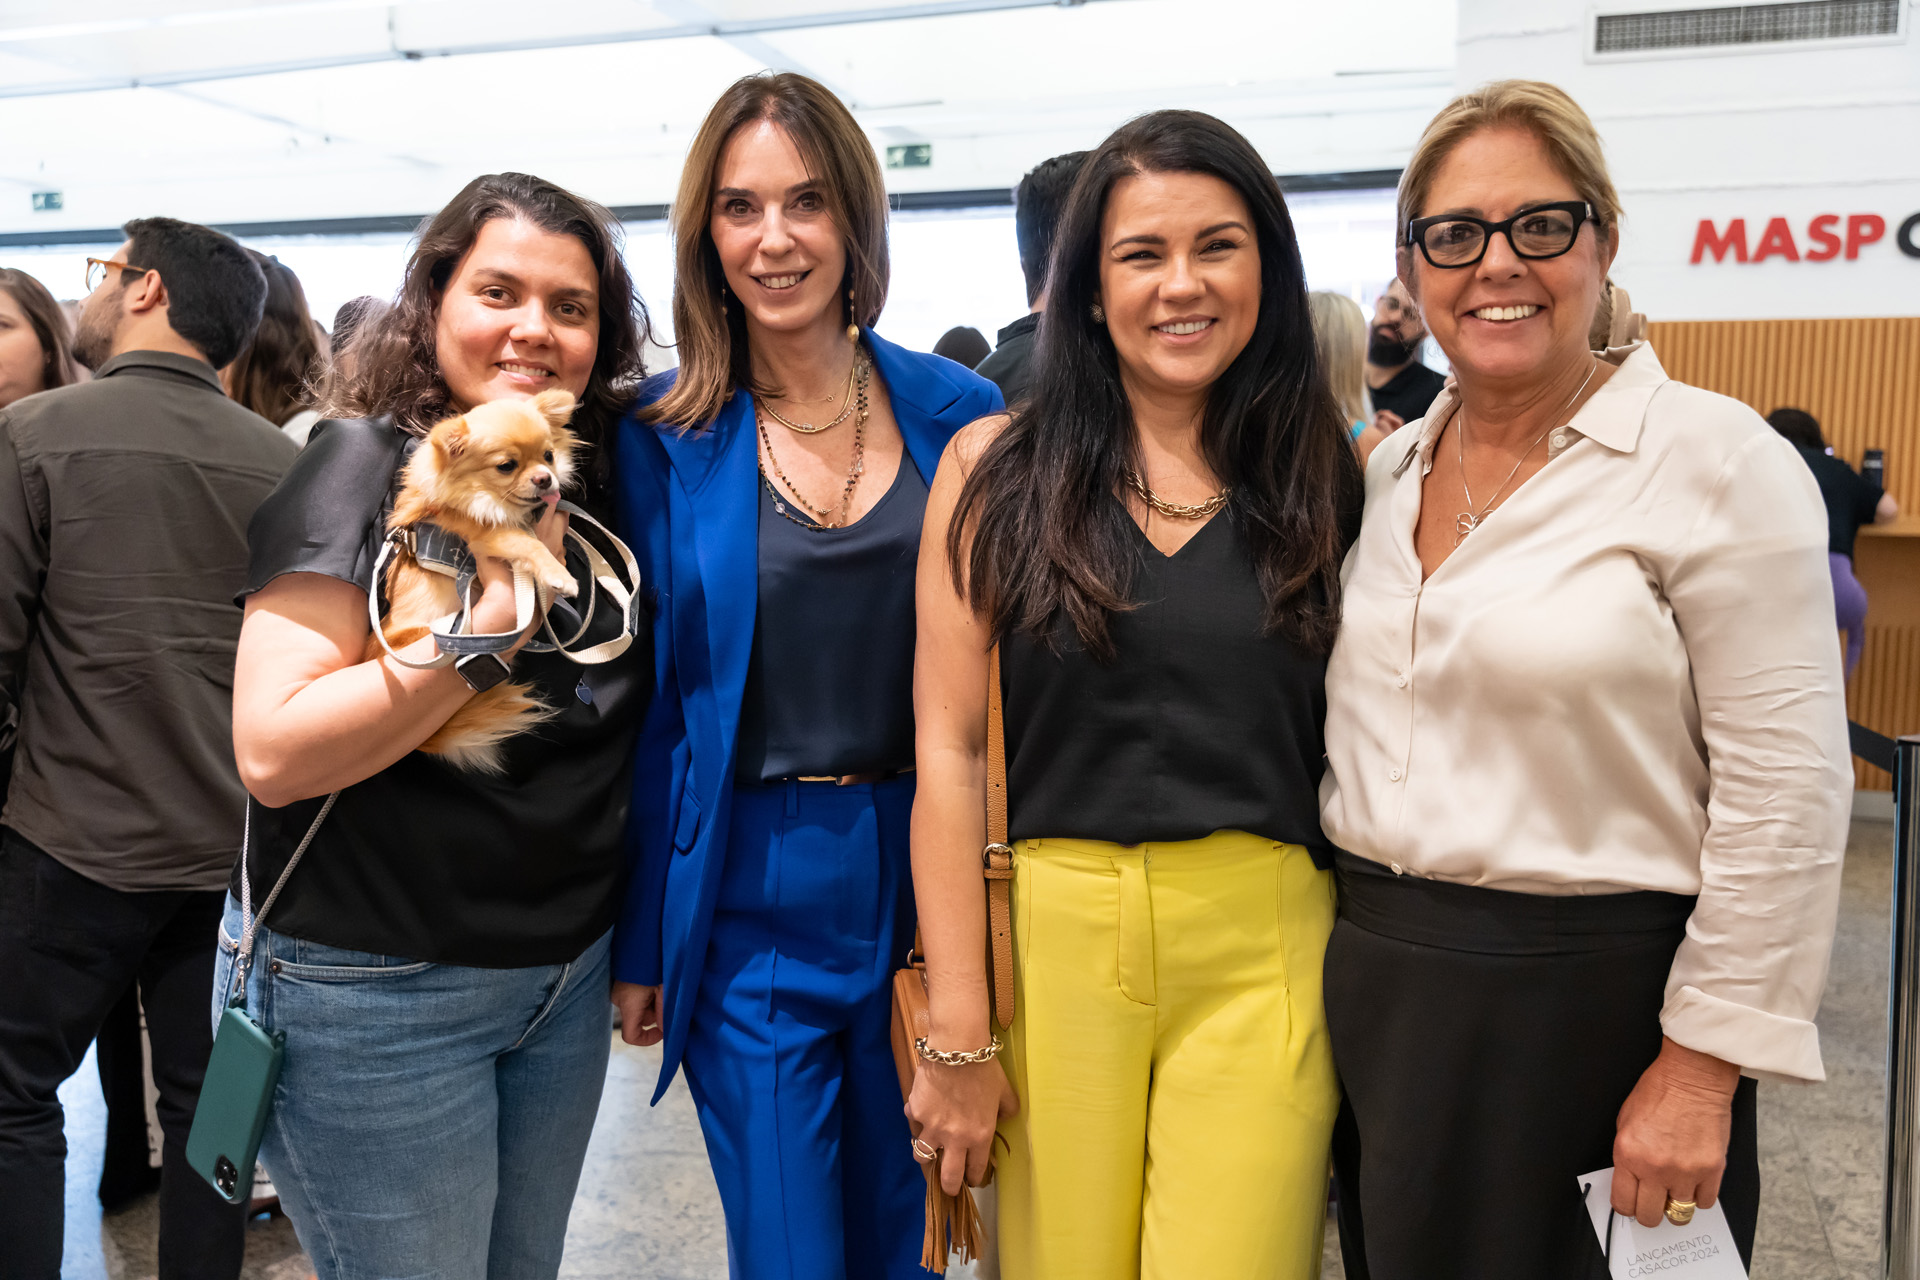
[(1154, 544)]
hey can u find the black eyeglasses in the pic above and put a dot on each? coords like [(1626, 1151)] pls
[(1451, 240)]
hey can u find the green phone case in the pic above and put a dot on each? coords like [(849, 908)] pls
[(234, 1100)]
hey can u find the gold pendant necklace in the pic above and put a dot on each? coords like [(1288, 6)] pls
[(1470, 519)]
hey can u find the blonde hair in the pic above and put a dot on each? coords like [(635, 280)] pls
[(1542, 109), (1340, 343), (711, 337)]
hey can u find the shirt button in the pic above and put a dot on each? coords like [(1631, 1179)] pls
[(1394, 774), (1395, 868), (1401, 681), (1558, 440)]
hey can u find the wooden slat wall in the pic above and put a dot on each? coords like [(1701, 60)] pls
[(1861, 379)]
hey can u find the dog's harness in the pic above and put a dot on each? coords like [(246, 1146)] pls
[(437, 551)]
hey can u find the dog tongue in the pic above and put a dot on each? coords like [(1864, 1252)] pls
[(551, 499)]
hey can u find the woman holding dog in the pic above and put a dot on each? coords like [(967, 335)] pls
[(774, 486), (438, 959), (1153, 543)]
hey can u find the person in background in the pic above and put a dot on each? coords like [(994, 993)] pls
[(36, 347), (1587, 751), (964, 345), (1037, 203), (1401, 387), (347, 320), (1852, 501), (277, 376), (438, 960), (122, 502), (774, 485), (1340, 341), (1154, 544)]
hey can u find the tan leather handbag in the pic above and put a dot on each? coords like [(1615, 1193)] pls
[(953, 1222)]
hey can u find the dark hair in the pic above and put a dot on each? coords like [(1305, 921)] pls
[(49, 325), (1037, 203), (348, 319), (395, 367), (215, 292), (1799, 427), (963, 344), (714, 358), (274, 374), (1046, 533)]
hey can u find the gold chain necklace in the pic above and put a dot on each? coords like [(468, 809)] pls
[(1175, 510), (825, 518), (854, 376)]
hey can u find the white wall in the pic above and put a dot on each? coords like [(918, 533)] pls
[(1750, 134)]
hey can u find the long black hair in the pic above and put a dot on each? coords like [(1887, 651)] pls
[(1046, 533)]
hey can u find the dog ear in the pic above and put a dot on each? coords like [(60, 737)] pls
[(555, 405), (450, 437)]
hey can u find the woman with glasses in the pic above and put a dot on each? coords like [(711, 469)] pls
[(1586, 746)]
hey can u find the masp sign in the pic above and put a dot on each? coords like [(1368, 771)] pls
[(1825, 237)]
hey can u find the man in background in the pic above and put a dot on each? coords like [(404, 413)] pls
[(1401, 387), (1037, 205), (124, 505)]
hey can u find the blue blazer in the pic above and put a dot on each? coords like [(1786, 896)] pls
[(689, 504)]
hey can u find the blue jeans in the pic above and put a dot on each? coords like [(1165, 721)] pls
[(431, 1119)]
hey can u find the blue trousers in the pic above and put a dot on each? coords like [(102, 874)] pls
[(788, 1053)]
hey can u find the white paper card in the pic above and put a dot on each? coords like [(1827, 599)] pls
[(1701, 1250)]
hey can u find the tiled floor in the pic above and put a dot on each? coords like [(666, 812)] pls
[(647, 1206)]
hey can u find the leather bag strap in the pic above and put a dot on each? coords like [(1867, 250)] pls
[(997, 859)]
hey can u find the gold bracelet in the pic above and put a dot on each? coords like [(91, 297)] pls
[(955, 1058)]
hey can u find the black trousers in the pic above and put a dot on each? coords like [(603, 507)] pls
[(1486, 1042), (69, 947)]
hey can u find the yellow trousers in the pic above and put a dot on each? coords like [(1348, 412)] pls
[(1177, 1092)]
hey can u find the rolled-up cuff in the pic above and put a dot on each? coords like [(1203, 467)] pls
[(1764, 1045)]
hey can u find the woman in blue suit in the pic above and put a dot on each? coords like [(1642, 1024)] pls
[(774, 486)]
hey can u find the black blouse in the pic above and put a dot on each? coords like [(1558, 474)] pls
[(423, 860), (830, 684), (1199, 724)]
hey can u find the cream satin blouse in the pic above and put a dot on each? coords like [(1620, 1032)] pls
[(1627, 678)]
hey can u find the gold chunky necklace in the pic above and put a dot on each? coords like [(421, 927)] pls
[(1176, 510)]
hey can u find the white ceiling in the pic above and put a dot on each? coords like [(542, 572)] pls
[(222, 111)]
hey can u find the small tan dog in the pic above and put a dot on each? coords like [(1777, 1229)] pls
[(486, 477)]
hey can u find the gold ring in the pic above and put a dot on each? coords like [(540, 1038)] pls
[(1680, 1212), (924, 1151)]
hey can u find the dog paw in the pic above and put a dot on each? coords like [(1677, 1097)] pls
[(561, 584)]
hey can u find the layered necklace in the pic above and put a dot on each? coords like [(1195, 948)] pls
[(835, 516), (1178, 510), (1473, 517)]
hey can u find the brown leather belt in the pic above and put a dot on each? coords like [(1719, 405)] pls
[(854, 779)]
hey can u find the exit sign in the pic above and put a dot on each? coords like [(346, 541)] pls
[(48, 202), (913, 155)]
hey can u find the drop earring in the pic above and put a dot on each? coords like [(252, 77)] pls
[(853, 328), (1099, 313), (723, 300)]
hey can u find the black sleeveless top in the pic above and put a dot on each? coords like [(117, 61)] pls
[(1199, 724), (830, 684)]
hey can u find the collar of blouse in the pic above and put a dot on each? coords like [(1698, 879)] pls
[(1612, 417)]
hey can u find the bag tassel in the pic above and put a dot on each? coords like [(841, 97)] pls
[(953, 1226)]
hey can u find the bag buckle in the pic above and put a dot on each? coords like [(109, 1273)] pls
[(997, 861)]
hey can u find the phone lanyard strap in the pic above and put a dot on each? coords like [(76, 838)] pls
[(249, 922)]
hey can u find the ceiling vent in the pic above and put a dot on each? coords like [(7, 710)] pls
[(1730, 27)]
